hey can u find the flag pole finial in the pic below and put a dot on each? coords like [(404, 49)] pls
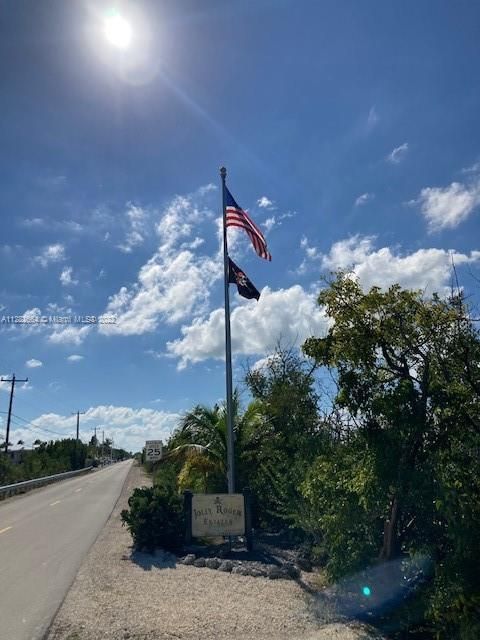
[(223, 172)]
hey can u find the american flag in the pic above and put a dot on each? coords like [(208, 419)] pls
[(237, 217)]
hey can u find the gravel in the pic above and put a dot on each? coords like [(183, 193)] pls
[(119, 594)]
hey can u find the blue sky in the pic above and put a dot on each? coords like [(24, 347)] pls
[(349, 131)]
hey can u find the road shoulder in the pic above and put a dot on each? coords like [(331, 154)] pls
[(120, 595)]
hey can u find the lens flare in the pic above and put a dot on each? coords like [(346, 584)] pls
[(367, 592)]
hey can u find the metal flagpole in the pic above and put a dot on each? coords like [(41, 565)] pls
[(228, 350)]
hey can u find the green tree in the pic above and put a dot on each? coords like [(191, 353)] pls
[(201, 442), (408, 376), (281, 445)]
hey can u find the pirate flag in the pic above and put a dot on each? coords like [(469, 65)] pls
[(244, 286)]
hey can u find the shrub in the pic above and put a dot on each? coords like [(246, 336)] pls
[(155, 519)]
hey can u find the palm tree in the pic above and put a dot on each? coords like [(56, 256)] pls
[(201, 443)]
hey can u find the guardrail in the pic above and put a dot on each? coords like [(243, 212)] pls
[(22, 487)]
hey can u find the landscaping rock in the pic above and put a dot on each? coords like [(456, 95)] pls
[(240, 570), (277, 573), (292, 570), (199, 562), (212, 563), (226, 565), (188, 559), (256, 573)]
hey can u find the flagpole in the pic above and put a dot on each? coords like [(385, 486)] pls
[(228, 349)]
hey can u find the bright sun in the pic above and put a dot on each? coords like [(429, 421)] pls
[(118, 31)]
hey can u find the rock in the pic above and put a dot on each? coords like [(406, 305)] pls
[(256, 573), (240, 570), (188, 559), (292, 570), (277, 573), (226, 565), (304, 564), (212, 563), (199, 562)]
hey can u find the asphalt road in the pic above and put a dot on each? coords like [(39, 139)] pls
[(44, 536)]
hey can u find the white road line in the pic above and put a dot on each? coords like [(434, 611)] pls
[(6, 529), (54, 503)]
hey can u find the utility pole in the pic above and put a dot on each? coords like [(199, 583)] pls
[(78, 413), (13, 380), (103, 441)]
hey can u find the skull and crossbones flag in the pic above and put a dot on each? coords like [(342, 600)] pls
[(244, 285)]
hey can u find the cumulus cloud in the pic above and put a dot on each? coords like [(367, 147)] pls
[(51, 253), (175, 283), (290, 314), (66, 277), (398, 154), (70, 335), (428, 269), (363, 199), (447, 207), (33, 363), (74, 358), (128, 427)]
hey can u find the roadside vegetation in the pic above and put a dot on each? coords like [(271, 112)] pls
[(49, 458), (365, 446)]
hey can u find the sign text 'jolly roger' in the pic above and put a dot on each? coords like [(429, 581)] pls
[(219, 514)]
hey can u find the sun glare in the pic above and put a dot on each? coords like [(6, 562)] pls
[(118, 31)]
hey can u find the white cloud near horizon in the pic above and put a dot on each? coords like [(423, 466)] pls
[(128, 427)]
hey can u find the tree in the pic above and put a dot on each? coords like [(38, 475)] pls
[(201, 442), (408, 377), (278, 450)]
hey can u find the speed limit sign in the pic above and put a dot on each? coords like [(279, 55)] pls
[(153, 450)]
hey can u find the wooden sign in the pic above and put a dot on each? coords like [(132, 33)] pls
[(219, 514)]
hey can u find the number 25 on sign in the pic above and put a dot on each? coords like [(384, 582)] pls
[(153, 450)]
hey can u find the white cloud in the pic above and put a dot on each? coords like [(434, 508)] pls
[(74, 358), (290, 314), (449, 206), (398, 154), (428, 269), (269, 223), (66, 277), (33, 363), (128, 427), (265, 203), (136, 221), (363, 199), (175, 283), (70, 335), (51, 253)]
